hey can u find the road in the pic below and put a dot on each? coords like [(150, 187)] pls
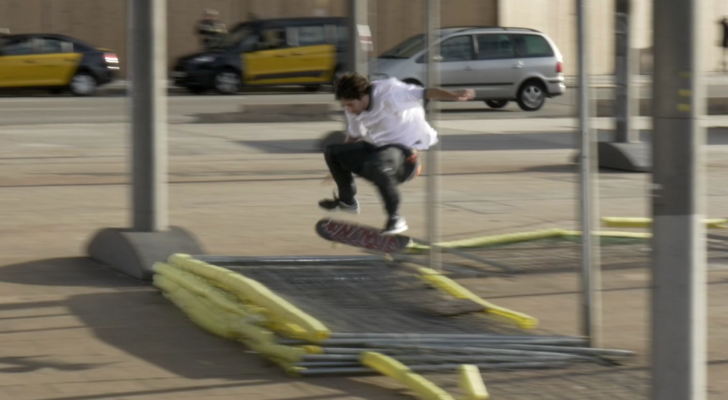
[(109, 108)]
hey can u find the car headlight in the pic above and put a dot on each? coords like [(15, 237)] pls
[(376, 77), (204, 59)]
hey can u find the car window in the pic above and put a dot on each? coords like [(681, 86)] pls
[(54, 46), (20, 47), (311, 35), (495, 47), (459, 48), (532, 46), (275, 38)]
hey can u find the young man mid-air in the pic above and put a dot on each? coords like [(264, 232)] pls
[(387, 128)]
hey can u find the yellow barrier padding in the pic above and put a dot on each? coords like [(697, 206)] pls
[(403, 374), (228, 325), (385, 365), (424, 388), (614, 234), (313, 349), (212, 318), (281, 311), (456, 290), (198, 286), (496, 239), (625, 222), (471, 382), (206, 318)]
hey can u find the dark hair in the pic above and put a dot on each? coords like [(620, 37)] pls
[(352, 86)]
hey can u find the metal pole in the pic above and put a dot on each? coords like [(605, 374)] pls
[(358, 31), (432, 25), (678, 205), (624, 69), (148, 48), (591, 280)]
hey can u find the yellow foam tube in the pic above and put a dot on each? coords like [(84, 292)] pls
[(496, 239), (626, 222), (195, 310), (456, 290), (403, 374), (471, 382), (281, 310), (276, 352), (627, 235), (198, 286), (225, 324)]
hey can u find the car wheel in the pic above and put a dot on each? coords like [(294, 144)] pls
[(496, 103), (83, 84), (228, 81), (531, 96)]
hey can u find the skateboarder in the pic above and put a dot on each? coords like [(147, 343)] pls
[(387, 127)]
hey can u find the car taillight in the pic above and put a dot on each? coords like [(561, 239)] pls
[(559, 67), (111, 58)]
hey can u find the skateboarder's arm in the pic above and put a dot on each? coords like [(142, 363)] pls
[(448, 95)]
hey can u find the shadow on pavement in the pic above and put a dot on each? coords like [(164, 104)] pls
[(135, 318)]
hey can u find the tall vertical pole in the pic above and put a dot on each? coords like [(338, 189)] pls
[(358, 32), (679, 255), (624, 69), (148, 45), (591, 276), (432, 26)]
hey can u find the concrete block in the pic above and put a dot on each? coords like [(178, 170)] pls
[(134, 253)]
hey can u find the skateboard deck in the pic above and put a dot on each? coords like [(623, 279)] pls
[(363, 236)]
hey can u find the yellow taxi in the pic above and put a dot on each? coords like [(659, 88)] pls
[(307, 52), (54, 62)]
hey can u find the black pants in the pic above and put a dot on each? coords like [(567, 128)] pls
[(386, 167)]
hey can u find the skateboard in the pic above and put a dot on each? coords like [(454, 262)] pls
[(362, 236)]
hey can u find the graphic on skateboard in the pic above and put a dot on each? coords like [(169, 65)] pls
[(363, 236)]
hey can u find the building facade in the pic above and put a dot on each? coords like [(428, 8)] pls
[(103, 22)]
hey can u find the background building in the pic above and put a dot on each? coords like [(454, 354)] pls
[(103, 22)]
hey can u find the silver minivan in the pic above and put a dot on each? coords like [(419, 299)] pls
[(501, 64)]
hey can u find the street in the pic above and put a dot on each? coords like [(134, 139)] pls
[(113, 108)]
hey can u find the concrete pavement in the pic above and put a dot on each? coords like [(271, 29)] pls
[(73, 330)]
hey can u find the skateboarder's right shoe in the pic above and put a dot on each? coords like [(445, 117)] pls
[(337, 205), (395, 225)]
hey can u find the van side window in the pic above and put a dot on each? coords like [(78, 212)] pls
[(311, 35), (495, 47), (459, 48), (532, 46)]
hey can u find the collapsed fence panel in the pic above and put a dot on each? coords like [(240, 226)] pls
[(354, 315)]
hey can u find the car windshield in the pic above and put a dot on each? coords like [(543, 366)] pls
[(406, 49), (233, 39)]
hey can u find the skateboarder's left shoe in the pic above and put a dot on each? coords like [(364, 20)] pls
[(335, 205)]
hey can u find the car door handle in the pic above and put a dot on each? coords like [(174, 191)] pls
[(280, 55), (29, 61), (298, 54), (468, 68), (518, 65)]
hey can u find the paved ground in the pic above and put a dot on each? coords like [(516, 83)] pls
[(72, 330)]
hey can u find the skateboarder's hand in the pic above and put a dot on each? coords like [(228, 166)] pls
[(465, 94)]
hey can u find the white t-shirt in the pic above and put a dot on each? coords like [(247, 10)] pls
[(396, 116)]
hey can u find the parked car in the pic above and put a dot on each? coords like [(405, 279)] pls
[(54, 62), (305, 52), (501, 64)]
